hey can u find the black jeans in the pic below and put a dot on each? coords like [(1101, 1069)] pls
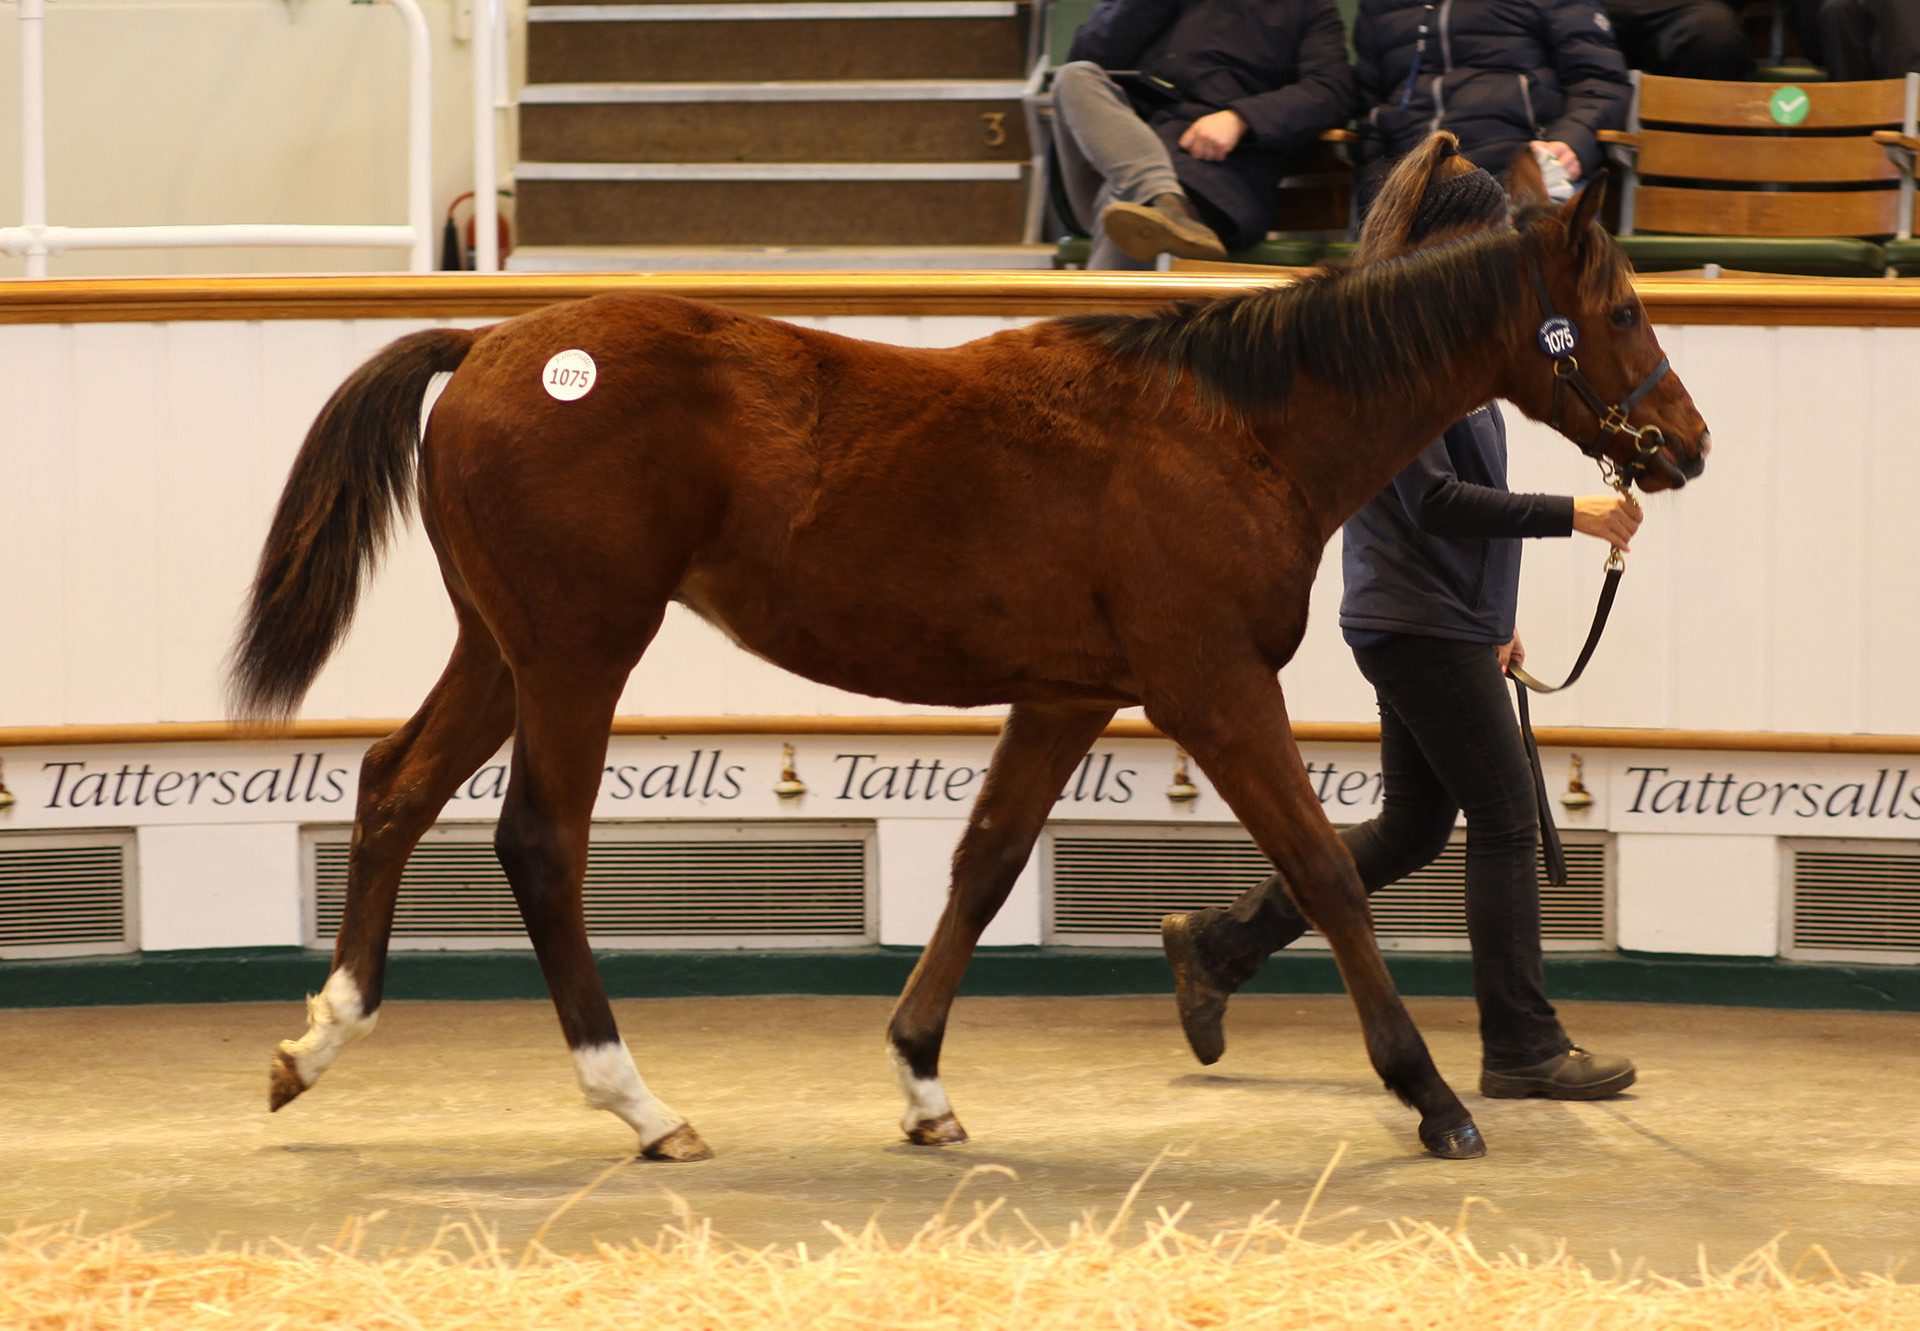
[(1449, 740)]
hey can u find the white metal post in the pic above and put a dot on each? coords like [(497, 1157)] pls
[(486, 207), (33, 133), (1910, 125), (419, 135)]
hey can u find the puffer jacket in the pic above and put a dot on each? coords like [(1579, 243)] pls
[(1498, 73), (1281, 64)]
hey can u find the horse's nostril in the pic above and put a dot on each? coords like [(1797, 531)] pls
[(1706, 442)]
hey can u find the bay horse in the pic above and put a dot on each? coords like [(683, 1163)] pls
[(1068, 518)]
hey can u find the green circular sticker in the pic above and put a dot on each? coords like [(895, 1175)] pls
[(1789, 105)]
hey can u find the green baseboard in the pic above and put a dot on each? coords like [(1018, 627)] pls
[(274, 974)]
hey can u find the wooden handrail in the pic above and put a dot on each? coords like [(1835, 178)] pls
[(1307, 732), (1672, 298)]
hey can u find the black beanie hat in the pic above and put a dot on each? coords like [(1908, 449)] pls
[(1473, 197)]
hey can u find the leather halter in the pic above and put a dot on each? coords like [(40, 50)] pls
[(1558, 338)]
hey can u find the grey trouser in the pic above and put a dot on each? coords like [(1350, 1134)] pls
[(1107, 154)]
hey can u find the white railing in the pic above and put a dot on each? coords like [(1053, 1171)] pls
[(36, 239), (490, 83)]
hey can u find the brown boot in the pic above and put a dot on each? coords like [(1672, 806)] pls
[(1574, 1075), (1165, 225), (1199, 992)]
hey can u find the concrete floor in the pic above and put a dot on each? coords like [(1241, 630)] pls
[(1745, 1124)]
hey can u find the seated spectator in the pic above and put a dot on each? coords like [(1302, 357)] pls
[(1503, 75), (1687, 39), (1860, 39), (1175, 119)]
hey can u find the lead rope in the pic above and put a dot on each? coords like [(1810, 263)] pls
[(1523, 683)]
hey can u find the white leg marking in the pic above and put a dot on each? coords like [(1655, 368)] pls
[(926, 1097), (610, 1081), (336, 1017)]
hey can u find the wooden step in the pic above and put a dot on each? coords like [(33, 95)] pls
[(776, 39), (897, 121), (791, 204)]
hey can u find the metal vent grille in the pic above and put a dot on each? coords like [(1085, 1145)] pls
[(1854, 901), (64, 895), (1110, 888), (667, 885)]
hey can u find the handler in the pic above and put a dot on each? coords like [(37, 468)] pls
[(1432, 572), (1175, 119)]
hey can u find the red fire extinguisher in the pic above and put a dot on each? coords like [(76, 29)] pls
[(457, 244)]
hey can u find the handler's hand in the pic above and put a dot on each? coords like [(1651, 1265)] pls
[(1212, 137), (1612, 518), (1512, 655), (1569, 159)]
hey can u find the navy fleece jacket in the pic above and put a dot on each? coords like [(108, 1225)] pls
[(1437, 553)]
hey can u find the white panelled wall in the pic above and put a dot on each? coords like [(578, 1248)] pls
[(141, 462), (141, 466)]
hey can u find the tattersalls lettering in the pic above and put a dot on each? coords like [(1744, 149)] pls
[(865, 778), (306, 780), (489, 783), (701, 777), (1354, 787), (1097, 782), (1891, 795)]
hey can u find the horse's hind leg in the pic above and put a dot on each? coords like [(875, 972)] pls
[(1037, 751), (405, 780), (1235, 725), (559, 749)]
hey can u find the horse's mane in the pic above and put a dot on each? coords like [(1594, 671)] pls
[(1371, 330)]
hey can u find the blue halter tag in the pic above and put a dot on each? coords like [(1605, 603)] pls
[(1557, 336)]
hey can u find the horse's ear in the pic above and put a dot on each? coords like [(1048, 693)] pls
[(1384, 234), (1586, 204), (1525, 185)]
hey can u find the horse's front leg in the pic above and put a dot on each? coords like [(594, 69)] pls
[(1234, 723), (1036, 754)]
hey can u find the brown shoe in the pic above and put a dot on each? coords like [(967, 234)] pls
[(1198, 994), (1574, 1075), (1166, 225)]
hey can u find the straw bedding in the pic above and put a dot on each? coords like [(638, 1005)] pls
[(987, 1271)]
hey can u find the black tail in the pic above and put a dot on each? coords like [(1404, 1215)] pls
[(354, 473)]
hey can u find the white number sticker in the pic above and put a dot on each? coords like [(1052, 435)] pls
[(569, 375)]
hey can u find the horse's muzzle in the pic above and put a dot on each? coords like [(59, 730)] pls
[(1677, 468), (1693, 466)]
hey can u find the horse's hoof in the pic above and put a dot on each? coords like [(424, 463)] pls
[(283, 1082), (1461, 1143), (682, 1144), (942, 1131)]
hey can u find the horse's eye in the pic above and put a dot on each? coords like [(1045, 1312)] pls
[(1626, 316)]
